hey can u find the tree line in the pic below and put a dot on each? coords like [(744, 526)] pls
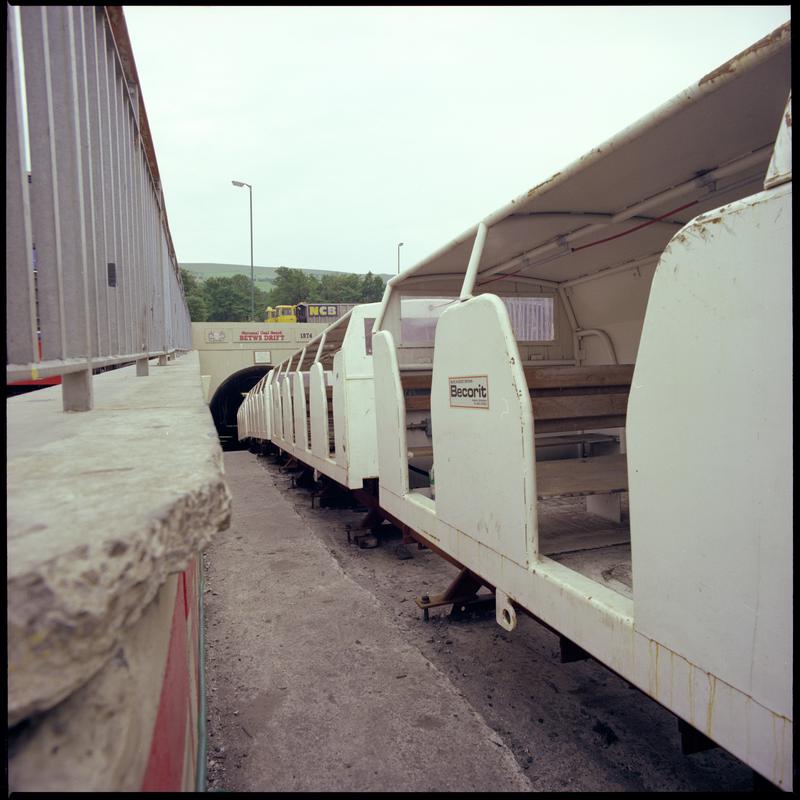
[(228, 299)]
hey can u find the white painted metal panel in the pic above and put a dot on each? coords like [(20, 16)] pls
[(362, 439), (360, 377), (277, 411), (319, 412), (483, 454), (614, 303), (254, 398), (240, 424), (710, 453), (340, 422), (253, 412), (390, 415), (270, 406), (264, 408), (286, 410), (273, 391), (300, 417)]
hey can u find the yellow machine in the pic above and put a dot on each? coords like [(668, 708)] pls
[(281, 314), (308, 312)]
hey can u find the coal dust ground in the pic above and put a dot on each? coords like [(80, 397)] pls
[(321, 674)]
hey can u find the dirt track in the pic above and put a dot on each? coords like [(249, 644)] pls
[(321, 674)]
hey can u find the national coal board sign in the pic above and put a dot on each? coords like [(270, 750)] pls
[(261, 336), (469, 391), (330, 311)]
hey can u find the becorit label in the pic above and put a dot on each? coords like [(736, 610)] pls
[(469, 391)]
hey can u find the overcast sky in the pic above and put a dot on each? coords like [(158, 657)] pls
[(363, 127)]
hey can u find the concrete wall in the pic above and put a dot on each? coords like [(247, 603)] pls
[(227, 347), (108, 513)]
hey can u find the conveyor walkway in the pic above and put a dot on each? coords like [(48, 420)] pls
[(311, 686)]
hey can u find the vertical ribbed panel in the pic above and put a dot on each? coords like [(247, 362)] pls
[(113, 215), (69, 200), (44, 181), (21, 338), (87, 247), (87, 144)]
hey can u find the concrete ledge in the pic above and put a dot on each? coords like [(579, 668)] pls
[(99, 738), (102, 507)]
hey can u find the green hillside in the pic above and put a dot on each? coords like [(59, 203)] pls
[(264, 276)]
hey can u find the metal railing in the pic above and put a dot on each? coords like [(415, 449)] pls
[(91, 274)]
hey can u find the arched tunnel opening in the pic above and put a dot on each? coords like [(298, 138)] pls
[(226, 401)]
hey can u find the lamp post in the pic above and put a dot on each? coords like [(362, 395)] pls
[(399, 245), (252, 278)]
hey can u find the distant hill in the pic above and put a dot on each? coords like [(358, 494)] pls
[(264, 276)]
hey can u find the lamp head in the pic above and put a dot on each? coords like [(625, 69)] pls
[(237, 183)]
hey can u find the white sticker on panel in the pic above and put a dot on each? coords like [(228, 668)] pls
[(469, 391)]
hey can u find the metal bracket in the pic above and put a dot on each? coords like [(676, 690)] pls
[(506, 615), (462, 594)]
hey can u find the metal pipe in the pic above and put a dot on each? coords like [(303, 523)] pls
[(252, 276), (387, 293), (524, 279), (21, 316), (603, 336), (630, 265), (46, 369), (474, 262), (573, 320)]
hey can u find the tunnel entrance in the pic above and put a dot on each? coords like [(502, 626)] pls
[(227, 399)]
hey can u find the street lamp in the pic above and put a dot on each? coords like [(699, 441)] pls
[(399, 245), (252, 278)]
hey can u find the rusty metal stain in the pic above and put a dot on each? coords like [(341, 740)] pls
[(712, 690), (733, 64), (779, 747), (652, 672), (542, 185), (671, 677), (657, 693)]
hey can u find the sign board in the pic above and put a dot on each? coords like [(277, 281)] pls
[(261, 357), (469, 391), (261, 336), (322, 311)]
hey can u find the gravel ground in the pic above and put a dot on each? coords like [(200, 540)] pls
[(566, 727)]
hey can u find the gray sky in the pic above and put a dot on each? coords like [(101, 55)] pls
[(363, 127)]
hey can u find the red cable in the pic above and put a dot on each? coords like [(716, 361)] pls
[(637, 228)]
